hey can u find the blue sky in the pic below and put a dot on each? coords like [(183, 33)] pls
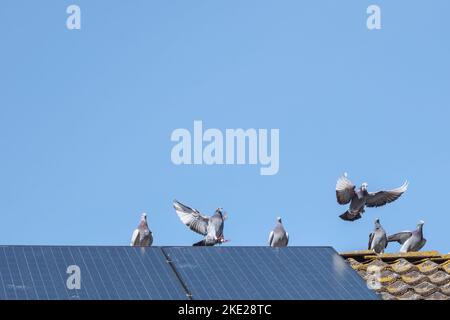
[(86, 117)]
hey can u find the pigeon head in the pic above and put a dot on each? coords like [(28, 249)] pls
[(144, 216), (377, 223), (364, 186), (219, 211), (421, 224), (279, 219)]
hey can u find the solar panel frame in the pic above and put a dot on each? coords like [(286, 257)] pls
[(264, 273)]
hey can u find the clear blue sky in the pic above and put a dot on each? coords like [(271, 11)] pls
[(86, 117)]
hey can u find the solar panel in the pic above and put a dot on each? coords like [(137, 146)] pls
[(263, 273), (39, 272)]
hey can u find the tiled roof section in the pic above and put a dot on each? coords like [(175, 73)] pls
[(406, 276)]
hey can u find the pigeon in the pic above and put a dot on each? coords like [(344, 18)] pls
[(142, 236), (359, 199), (411, 241), (377, 239), (278, 237), (209, 227)]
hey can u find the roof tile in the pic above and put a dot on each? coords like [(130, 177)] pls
[(413, 278), (398, 288), (426, 288), (388, 277), (446, 267), (446, 289), (428, 267), (438, 296), (402, 266), (410, 295), (388, 296), (439, 278), (406, 276), (376, 264)]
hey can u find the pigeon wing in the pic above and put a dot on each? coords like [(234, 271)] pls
[(370, 240), (378, 199), (400, 237), (271, 238), (192, 218), (345, 190), (135, 238)]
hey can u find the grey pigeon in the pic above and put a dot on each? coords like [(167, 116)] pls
[(209, 227), (279, 237), (377, 239), (142, 236), (360, 198), (411, 241)]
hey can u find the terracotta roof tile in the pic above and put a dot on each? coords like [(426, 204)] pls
[(413, 278), (428, 267), (410, 295), (388, 277), (398, 288), (439, 278), (403, 266), (438, 296), (446, 289), (425, 289), (407, 276), (446, 267), (387, 296), (376, 265)]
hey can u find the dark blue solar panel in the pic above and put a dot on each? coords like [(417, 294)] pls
[(32, 272), (294, 273)]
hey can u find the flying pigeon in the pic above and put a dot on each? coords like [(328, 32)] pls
[(278, 237), (209, 227), (142, 236), (411, 241), (377, 239), (346, 193)]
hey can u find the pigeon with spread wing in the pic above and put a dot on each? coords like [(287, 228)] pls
[(411, 241), (209, 227), (346, 193)]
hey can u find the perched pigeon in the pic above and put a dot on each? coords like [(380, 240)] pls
[(142, 236), (279, 237), (377, 239), (411, 241), (359, 199), (210, 227)]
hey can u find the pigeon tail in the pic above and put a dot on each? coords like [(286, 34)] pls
[(200, 244), (348, 216)]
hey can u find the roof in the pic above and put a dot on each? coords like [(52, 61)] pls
[(177, 273), (406, 276)]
